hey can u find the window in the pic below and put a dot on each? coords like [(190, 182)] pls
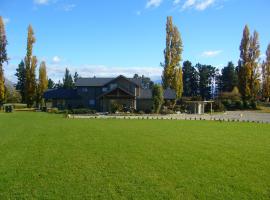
[(104, 89), (84, 90), (113, 85), (92, 102)]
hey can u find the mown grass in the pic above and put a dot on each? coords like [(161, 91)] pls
[(45, 156)]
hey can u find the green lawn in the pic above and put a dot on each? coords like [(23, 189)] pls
[(45, 156)]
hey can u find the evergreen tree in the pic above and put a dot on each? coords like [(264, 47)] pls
[(3, 59), (42, 82), (67, 80), (206, 74), (51, 84), (228, 78), (30, 66), (190, 80), (20, 86), (266, 75), (75, 77), (158, 98)]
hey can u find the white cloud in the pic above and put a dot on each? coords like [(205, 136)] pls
[(204, 4), (56, 71), (198, 4), (69, 7), (6, 20), (41, 2), (209, 54), (153, 3), (56, 59)]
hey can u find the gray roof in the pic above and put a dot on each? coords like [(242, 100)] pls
[(98, 82), (169, 94), (61, 93)]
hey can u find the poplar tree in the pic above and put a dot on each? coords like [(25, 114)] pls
[(30, 66), (3, 59), (42, 82), (254, 55), (266, 75), (244, 71), (172, 75), (168, 71)]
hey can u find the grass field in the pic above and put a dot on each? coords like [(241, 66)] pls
[(45, 156)]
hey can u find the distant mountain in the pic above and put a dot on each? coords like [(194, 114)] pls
[(9, 84)]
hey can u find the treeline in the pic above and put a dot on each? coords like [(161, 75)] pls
[(249, 80)]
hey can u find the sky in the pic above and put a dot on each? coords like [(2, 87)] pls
[(105, 38)]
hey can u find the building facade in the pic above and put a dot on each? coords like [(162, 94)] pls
[(101, 94)]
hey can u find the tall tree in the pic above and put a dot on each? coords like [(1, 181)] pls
[(172, 73), (206, 74), (167, 77), (67, 80), (244, 69), (254, 55), (3, 59), (30, 66), (228, 78), (190, 80), (42, 82), (266, 75), (20, 86)]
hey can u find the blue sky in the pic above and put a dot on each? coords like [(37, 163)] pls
[(111, 37)]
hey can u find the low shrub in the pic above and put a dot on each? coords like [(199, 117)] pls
[(167, 112), (8, 108), (141, 112)]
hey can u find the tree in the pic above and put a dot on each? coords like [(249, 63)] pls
[(228, 78), (168, 68), (67, 80), (172, 73), (248, 67), (75, 77), (42, 82), (30, 66), (190, 80), (20, 86), (3, 59), (51, 84), (158, 98), (244, 71), (206, 74), (145, 81), (254, 55), (266, 75)]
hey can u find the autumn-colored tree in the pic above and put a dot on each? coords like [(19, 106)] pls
[(30, 67), (254, 54), (167, 77), (42, 82), (172, 74), (244, 72), (248, 69), (266, 75), (3, 59)]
